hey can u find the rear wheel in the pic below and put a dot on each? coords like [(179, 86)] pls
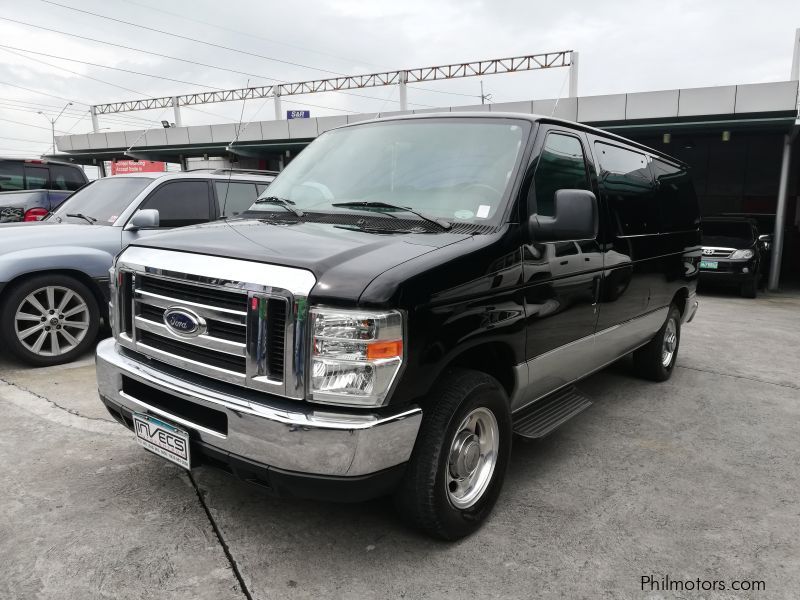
[(459, 462), (49, 319), (656, 359)]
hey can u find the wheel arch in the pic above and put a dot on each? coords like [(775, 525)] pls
[(84, 278), (491, 357)]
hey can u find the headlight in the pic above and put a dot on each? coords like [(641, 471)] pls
[(742, 254), (355, 355)]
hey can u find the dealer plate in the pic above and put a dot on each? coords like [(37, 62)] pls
[(708, 264), (162, 438)]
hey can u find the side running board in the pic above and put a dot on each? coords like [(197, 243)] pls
[(548, 413)]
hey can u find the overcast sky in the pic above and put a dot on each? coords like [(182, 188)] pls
[(624, 47)]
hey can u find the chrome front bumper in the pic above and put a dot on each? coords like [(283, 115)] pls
[(301, 439)]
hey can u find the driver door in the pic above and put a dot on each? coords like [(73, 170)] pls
[(562, 279)]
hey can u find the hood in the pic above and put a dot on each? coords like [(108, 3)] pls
[(722, 241), (343, 261), (24, 236)]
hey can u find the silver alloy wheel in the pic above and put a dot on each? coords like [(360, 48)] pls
[(472, 458), (670, 342), (51, 321)]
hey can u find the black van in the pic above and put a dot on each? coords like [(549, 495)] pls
[(407, 294)]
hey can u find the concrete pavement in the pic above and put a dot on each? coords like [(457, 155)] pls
[(694, 478)]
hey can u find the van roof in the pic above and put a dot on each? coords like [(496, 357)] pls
[(532, 118)]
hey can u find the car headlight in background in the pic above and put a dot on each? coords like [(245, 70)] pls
[(355, 355), (742, 254)]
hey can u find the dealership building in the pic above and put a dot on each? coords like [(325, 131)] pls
[(741, 142)]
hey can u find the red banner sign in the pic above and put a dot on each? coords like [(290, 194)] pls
[(123, 167)]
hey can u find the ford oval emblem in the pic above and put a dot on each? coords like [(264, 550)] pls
[(184, 322)]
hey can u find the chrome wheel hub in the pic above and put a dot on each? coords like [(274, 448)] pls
[(472, 458), (670, 342), (51, 321)]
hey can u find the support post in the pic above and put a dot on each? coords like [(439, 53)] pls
[(573, 74), (780, 214), (795, 73), (176, 109), (101, 168), (95, 122), (403, 90), (278, 111)]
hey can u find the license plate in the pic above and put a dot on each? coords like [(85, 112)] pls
[(162, 438), (708, 264)]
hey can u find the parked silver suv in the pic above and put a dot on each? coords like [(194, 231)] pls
[(54, 274)]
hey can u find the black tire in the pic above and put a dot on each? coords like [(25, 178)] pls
[(649, 359), (750, 288), (15, 299), (423, 499)]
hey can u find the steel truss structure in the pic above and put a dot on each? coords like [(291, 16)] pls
[(531, 62)]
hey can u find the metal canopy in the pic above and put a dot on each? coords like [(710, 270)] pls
[(530, 62)]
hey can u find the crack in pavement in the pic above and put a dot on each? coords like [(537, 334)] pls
[(53, 402), (225, 548), (52, 411), (756, 379)]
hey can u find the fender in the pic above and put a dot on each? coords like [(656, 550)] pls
[(90, 261)]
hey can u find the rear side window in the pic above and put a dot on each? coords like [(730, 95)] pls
[(11, 176), (561, 166), (180, 203), (36, 178), (676, 197), (628, 186), (65, 178), (235, 197)]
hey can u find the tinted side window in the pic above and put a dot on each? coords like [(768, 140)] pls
[(36, 178), (561, 166), (180, 203), (626, 181), (11, 176), (676, 197), (65, 178), (235, 197)]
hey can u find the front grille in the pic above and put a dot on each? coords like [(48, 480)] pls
[(229, 322), (190, 351), (276, 344), (717, 252), (193, 293)]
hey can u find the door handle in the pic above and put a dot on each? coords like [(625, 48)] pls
[(595, 291)]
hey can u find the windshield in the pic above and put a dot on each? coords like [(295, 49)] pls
[(739, 230), (103, 200), (454, 169)]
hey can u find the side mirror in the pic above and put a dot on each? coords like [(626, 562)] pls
[(575, 218), (146, 218), (765, 239)]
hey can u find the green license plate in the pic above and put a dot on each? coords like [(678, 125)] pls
[(708, 264)]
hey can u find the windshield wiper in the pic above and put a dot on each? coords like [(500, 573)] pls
[(368, 204), (287, 204), (87, 218)]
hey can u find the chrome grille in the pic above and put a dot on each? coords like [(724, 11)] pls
[(222, 310), (711, 252), (247, 333)]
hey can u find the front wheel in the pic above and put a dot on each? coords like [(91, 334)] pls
[(49, 319), (460, 458), (656, 359)]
